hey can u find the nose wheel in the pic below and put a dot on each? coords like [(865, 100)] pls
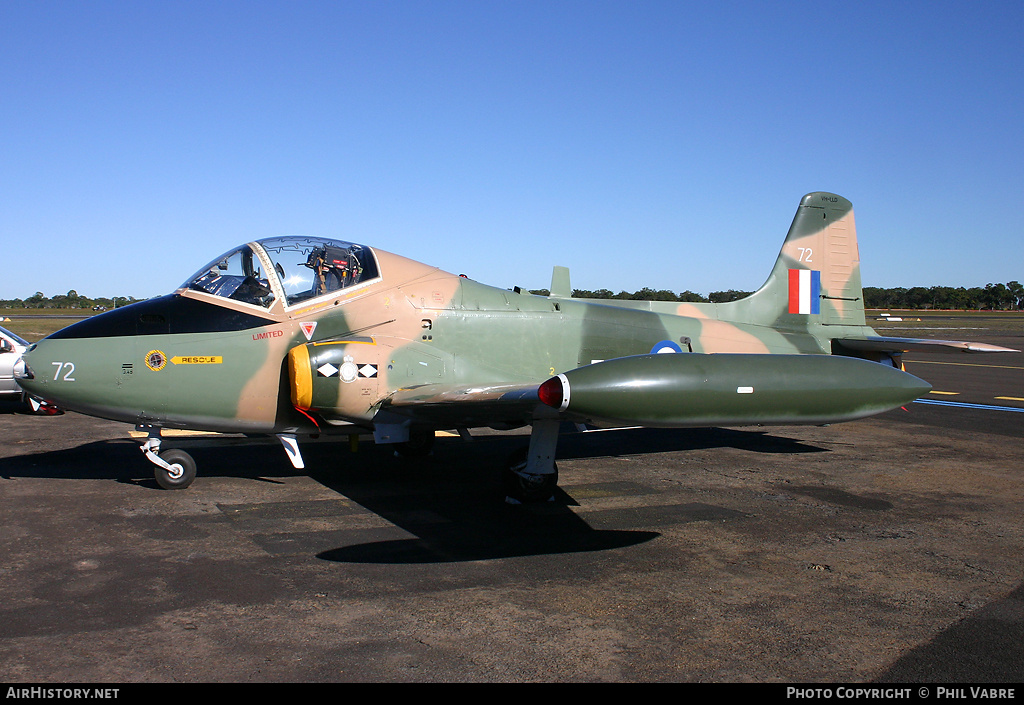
[(179, 472), (175, 469)]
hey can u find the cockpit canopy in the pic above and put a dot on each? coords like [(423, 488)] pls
[(293, 267)]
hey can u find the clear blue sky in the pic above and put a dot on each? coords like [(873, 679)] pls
[(640, 143)]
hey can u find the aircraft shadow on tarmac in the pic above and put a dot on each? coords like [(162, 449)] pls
[(451, 503), (985, 647)]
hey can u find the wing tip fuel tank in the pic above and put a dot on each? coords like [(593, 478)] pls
[(690, 389)]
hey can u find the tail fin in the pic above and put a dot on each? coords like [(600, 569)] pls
[(816, 279)]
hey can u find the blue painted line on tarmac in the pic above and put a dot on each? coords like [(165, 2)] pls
[(964, 405)]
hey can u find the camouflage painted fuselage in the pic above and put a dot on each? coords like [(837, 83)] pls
[(410, 340)]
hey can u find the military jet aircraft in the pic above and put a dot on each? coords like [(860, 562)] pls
[(298, 336)]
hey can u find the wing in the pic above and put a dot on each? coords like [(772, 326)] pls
[(887, 344), (451, 406)]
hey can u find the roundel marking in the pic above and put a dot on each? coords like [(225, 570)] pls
[(666, 346)]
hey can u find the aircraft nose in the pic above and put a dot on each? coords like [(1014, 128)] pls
[(25, 372), (51, 370), (42, 366), (22, 370)]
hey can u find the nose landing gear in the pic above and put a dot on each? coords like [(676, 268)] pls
[(175, 469), (180, 470)]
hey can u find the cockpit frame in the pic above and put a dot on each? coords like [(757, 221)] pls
[(278, 276)]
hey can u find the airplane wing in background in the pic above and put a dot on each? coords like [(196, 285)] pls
[(888, 344)]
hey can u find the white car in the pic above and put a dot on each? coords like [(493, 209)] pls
[(11, 348)]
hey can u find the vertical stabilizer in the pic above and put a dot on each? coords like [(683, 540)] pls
[(816, 278)]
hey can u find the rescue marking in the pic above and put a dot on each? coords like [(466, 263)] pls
[(197, 360), (307, 328)]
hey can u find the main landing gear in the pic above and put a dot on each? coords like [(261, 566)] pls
[(531, 475), (419, 445)]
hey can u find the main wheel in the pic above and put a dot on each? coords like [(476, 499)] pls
[(182, 472), (523, 488), (419, 445)]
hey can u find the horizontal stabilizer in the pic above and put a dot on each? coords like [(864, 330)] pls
[(886, 344)]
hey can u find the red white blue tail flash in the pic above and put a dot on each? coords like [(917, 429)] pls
[(804, 291)]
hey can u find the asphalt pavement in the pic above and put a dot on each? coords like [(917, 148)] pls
[(884, 550)]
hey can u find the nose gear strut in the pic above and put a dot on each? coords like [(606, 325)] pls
[(175, 469)]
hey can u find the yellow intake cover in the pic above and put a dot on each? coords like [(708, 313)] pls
[(300, 373)]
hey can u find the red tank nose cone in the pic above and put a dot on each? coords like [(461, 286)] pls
[(550, 393)]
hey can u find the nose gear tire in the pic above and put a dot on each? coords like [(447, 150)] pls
[(182, 472)]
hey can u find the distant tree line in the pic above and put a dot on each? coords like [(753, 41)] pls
[(647, 294), (72, 299), (993, 297), (996, 297)]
